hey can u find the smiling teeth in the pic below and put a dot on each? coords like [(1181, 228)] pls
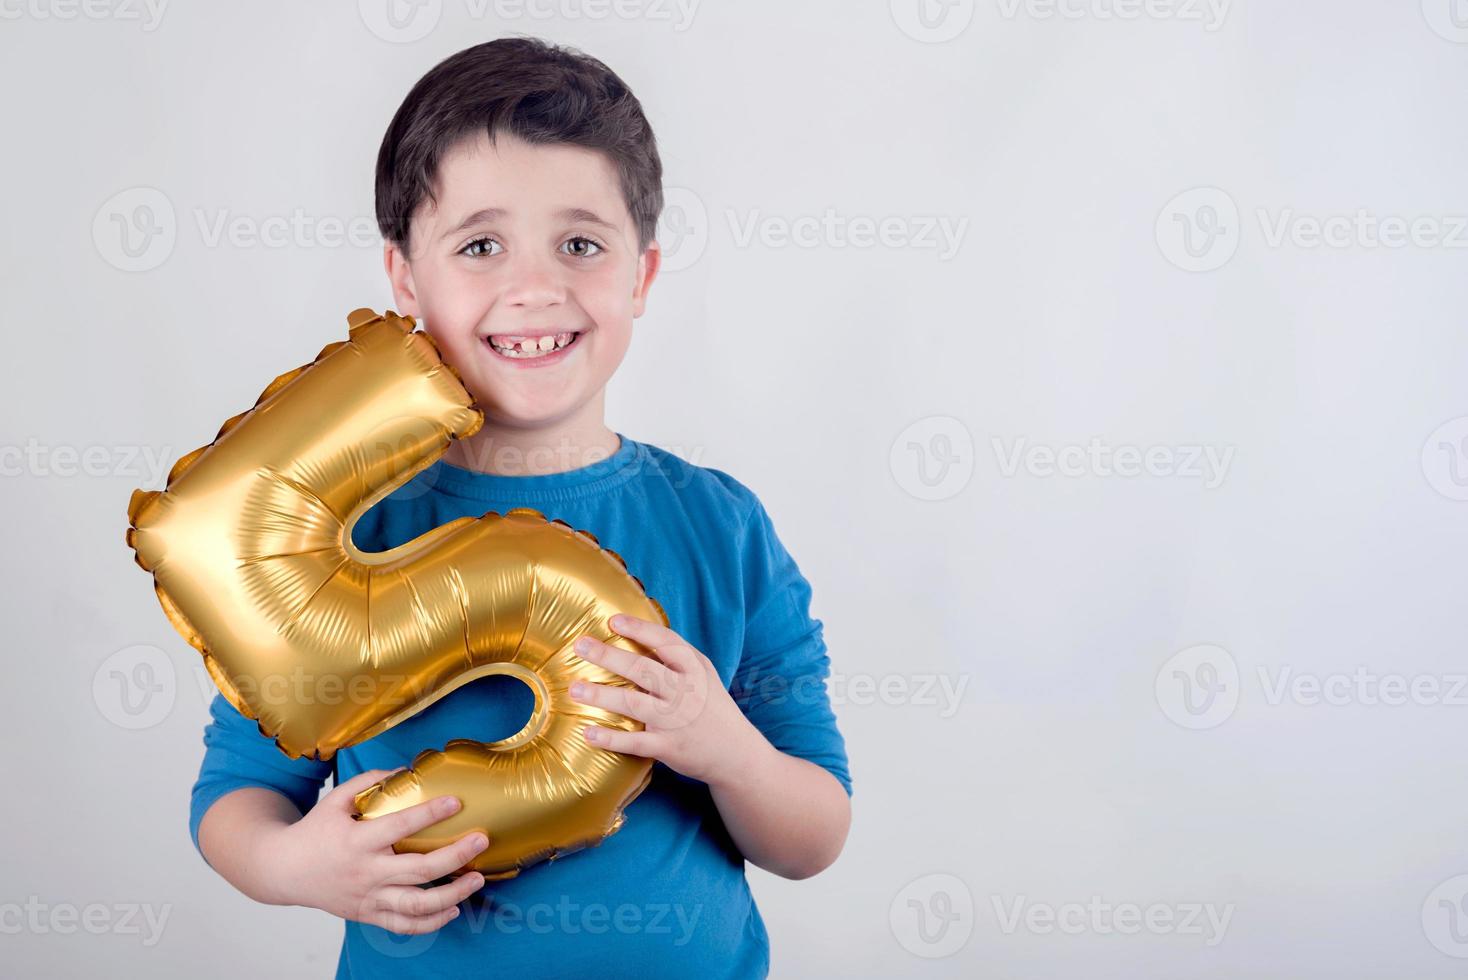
[(519, 346)]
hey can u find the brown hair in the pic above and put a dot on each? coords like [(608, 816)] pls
[(540, 92)]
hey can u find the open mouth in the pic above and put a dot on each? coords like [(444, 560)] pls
[(525, 347)]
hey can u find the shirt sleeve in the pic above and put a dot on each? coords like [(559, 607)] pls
[(781, 680), (237, 755)]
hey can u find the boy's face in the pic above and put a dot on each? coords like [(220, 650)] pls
[(527, 273)]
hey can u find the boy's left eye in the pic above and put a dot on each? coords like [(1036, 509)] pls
[(481, 246), (581, 247)]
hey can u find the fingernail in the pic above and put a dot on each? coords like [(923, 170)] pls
[(454, 912), (449, 804), (578, 690), (592, 734), (583, 645), (617, 621), (480, 842)]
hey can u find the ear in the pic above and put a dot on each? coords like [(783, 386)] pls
[(400, 274), (648, 264)]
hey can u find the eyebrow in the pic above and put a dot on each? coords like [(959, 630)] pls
[(483, 214), (495, 214)]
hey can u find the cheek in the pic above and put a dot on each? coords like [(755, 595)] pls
[(606, 294), (453, 303)]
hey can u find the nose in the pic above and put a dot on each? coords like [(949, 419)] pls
[(535, 283)]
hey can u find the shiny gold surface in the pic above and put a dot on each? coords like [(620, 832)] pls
[(326, 646)]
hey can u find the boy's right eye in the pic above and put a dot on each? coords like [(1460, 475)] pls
[(480, 246)]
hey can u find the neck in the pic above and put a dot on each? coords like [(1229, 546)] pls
[(569, 443)]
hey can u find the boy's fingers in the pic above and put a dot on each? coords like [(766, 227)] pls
[(417, 869), (629, 743), (413, 901), (349, 789), (406, 925), (649, 634), (385, 831), (649, 674), (622, 700)]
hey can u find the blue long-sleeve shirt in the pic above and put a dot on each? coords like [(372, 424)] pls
[(665, 896)]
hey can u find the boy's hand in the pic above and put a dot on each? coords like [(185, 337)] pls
[(692, 724), (347, 867)]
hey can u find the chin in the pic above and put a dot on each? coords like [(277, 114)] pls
[(522, 416)]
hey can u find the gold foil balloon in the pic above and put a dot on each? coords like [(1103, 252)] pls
[(325, 646)]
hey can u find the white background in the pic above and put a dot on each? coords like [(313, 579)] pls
[(1087, 308)]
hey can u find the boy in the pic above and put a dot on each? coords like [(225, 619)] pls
[(518, 191)]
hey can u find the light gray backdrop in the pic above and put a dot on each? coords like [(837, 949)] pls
[(1100, 361)]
